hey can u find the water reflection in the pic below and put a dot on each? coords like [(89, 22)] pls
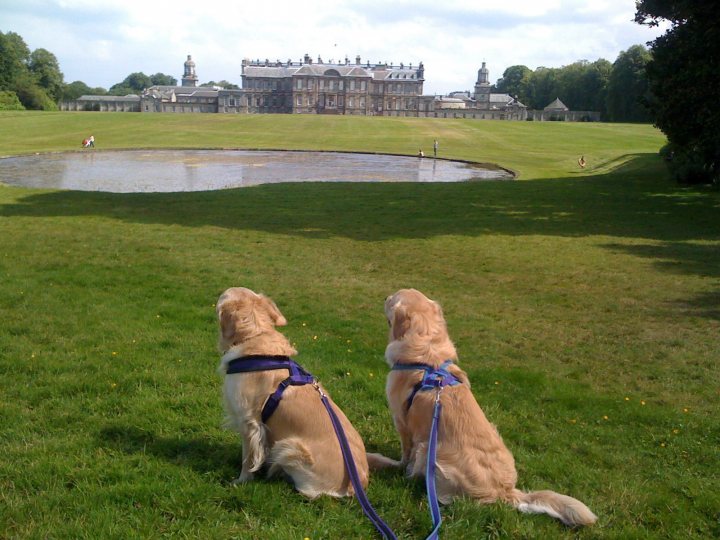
[(136, 171)]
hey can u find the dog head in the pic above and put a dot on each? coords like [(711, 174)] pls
[(244, 314), (417, 328)]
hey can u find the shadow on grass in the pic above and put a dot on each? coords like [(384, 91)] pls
[(701, 259), (634, 200), (200, 454)]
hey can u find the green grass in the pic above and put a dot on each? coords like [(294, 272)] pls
[(585, 307)]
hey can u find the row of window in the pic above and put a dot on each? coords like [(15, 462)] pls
[(331, 85), (304, 100)]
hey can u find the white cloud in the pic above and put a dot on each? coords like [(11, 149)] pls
[(101, 43)]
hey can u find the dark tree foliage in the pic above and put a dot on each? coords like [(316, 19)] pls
[(684, 77), (76, 89), (34, 78), (44, 65), (515, 81), (134, 83), (14, 58), (222, 84), (628, 93), (160, 79)]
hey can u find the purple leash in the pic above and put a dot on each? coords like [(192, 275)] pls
[(299, 377), (367, 508)]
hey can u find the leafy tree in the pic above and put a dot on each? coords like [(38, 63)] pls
[(543, 87), (14, 58), (515, 81), (34, 79), (222, 84), (684, 77), (160, 79), (78, 88), (32, 96), (44, 65), (134, 83), (595, 81), (628, 93)]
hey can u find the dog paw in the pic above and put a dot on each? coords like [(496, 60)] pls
[(243, 478)]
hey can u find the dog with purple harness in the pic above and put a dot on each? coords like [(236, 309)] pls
[(279, 409)]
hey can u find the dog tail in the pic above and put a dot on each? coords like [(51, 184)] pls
[(570, 511), (289, 455), (378, 462)]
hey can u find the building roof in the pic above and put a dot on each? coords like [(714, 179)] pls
[(129, 97), (167, 91), (501, 98), (381, 72), (557, 105)]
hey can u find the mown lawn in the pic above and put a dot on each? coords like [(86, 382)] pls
[(585, 306)]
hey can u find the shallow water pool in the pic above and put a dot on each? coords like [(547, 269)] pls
[(145, 171)]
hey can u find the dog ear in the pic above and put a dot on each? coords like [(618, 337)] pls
[(275, 316), (226, 316), (400, 323), (421, 320)]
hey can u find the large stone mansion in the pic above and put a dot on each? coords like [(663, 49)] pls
[(317, 87)]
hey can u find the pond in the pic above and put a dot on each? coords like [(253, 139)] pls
[(145, 171)]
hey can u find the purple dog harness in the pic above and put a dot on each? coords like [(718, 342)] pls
[(438, 379), (299, 377)]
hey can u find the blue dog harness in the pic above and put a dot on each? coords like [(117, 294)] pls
[(299, 377), (433, 378), (438, 379)]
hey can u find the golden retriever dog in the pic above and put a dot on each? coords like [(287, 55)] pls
[(298, 438), (472, 459)]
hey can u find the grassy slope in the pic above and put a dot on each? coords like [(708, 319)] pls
[(584, 307)]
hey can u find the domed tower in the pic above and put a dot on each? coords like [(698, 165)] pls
[(189, 76), (482, 86)]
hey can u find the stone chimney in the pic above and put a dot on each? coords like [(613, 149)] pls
[(357, 60)]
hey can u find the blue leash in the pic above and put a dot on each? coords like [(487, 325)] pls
[(438, 379), (430, 471)]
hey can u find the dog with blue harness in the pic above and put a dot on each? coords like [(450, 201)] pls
[(444, 434)]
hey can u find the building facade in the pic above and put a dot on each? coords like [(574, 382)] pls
[(309, 87), (317, 87)]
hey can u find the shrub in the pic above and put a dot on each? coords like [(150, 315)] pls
[(687, 166), (10, 102)]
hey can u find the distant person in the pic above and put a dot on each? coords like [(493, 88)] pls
[(435, 147), (581, 162), (421, 153), (85, 143), (91, 141)]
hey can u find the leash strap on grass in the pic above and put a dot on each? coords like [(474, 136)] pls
[(367, 508), (430, 472)]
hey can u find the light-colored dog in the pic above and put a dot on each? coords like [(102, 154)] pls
[(298, 438), (472, 459)]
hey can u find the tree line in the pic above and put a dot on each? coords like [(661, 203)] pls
[(33, 80), (619, 91)]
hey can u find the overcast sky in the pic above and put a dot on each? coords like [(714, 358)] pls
[(101, 42)]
